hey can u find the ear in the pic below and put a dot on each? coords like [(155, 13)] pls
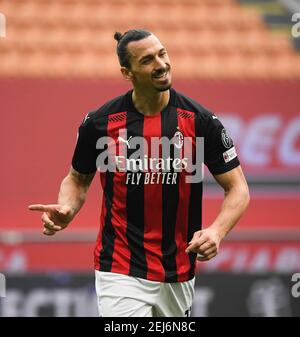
[(127, 74)]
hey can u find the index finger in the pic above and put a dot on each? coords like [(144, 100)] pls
[(42, 208), (198, 241), (195, 244)]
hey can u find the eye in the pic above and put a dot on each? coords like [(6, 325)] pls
[(146, 61)]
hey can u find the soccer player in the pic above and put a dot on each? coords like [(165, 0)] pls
[(151, 228)]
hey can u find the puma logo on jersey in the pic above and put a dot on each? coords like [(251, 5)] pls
[(121, 139)]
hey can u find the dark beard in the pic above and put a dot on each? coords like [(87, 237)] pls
[(165, 88)]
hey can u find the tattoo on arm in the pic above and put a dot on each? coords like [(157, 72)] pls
[(82, 179)]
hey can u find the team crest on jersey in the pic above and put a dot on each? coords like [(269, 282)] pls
[(178, 139)]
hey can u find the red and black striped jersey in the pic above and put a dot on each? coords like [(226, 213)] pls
[(149, 209)]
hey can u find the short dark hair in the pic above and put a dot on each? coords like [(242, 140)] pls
[(124, 39)]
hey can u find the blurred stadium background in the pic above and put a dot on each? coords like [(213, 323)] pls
[(238, 58)]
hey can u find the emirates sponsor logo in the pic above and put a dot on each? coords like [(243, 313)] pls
[(153, 164), (154, 160)]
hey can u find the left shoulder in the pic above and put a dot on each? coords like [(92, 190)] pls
[(183, 102)]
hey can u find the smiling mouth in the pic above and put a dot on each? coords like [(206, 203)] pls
[(162, 75)]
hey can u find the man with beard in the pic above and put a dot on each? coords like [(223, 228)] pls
[(151, 221)]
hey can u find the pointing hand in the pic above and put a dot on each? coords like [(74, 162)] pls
[(55, 217)]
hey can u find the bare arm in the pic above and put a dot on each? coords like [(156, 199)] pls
[(206, 242), (73, 190), (235, 201), (71, 198)]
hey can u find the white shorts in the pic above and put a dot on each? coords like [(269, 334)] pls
[(126, 296)]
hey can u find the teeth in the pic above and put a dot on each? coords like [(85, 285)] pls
[(162, 75)]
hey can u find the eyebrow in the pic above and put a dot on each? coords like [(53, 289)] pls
[(150, 55)]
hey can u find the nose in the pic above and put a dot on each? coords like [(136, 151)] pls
[(159, 63)]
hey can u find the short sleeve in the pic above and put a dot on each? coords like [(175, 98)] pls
[(219, 151), (85, 153)]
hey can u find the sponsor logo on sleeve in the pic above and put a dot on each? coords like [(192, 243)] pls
[(229, 155)]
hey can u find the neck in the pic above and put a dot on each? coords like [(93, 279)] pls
[(150, 103)]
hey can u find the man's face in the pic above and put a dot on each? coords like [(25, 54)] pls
[(150, 64)]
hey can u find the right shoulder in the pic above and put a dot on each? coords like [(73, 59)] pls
[(100, 115)]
